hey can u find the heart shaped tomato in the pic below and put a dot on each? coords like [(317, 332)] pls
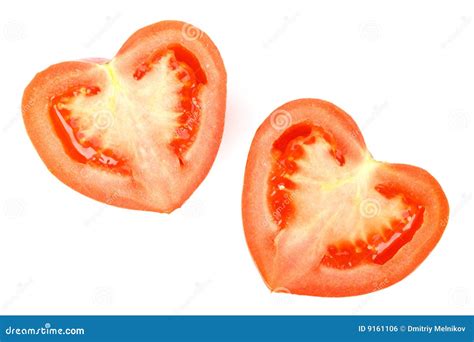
[(322, 217), (140, 131)]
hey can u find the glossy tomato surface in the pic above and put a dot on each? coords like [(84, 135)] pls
[(139, 131), (322, 217)]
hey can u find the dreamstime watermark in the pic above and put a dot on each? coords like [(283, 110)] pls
[(190, 32), (47, 329), (277, 212), (25, 107), (103, 119), (199, 288), (183, 132), (281, 119), (13, 120), (355, 133), (280, 296), (109, 21), (282, 28), (19, 291), (376, 112), (14, 208), (458, 120), (369, 207), (376, 286), (466, 197), (281, 289), (465, 21), (14, 31), (110, 200), (460, 297), (370, 31), (103, 296), (194, 209)]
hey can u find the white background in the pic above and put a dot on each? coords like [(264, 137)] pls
[(404, 71)]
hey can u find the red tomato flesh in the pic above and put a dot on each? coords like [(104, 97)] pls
[(323, 218), (140, 131)]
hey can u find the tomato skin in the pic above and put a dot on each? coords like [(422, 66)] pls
[(166, 188), (280, 258)]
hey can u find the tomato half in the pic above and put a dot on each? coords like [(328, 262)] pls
[(322, 217), (140, 131)]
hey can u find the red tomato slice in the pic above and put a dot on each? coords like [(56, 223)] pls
[(140, 131), (322, 217)]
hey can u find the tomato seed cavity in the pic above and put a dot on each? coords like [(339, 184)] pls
[(78, 148), (192, 77), (287, 149), (187, 71), (379, 248)]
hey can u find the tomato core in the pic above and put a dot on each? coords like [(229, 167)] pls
[(75, 144), (378, 242), (190, 74), (187, 79), (287, 149), (378, 248)]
